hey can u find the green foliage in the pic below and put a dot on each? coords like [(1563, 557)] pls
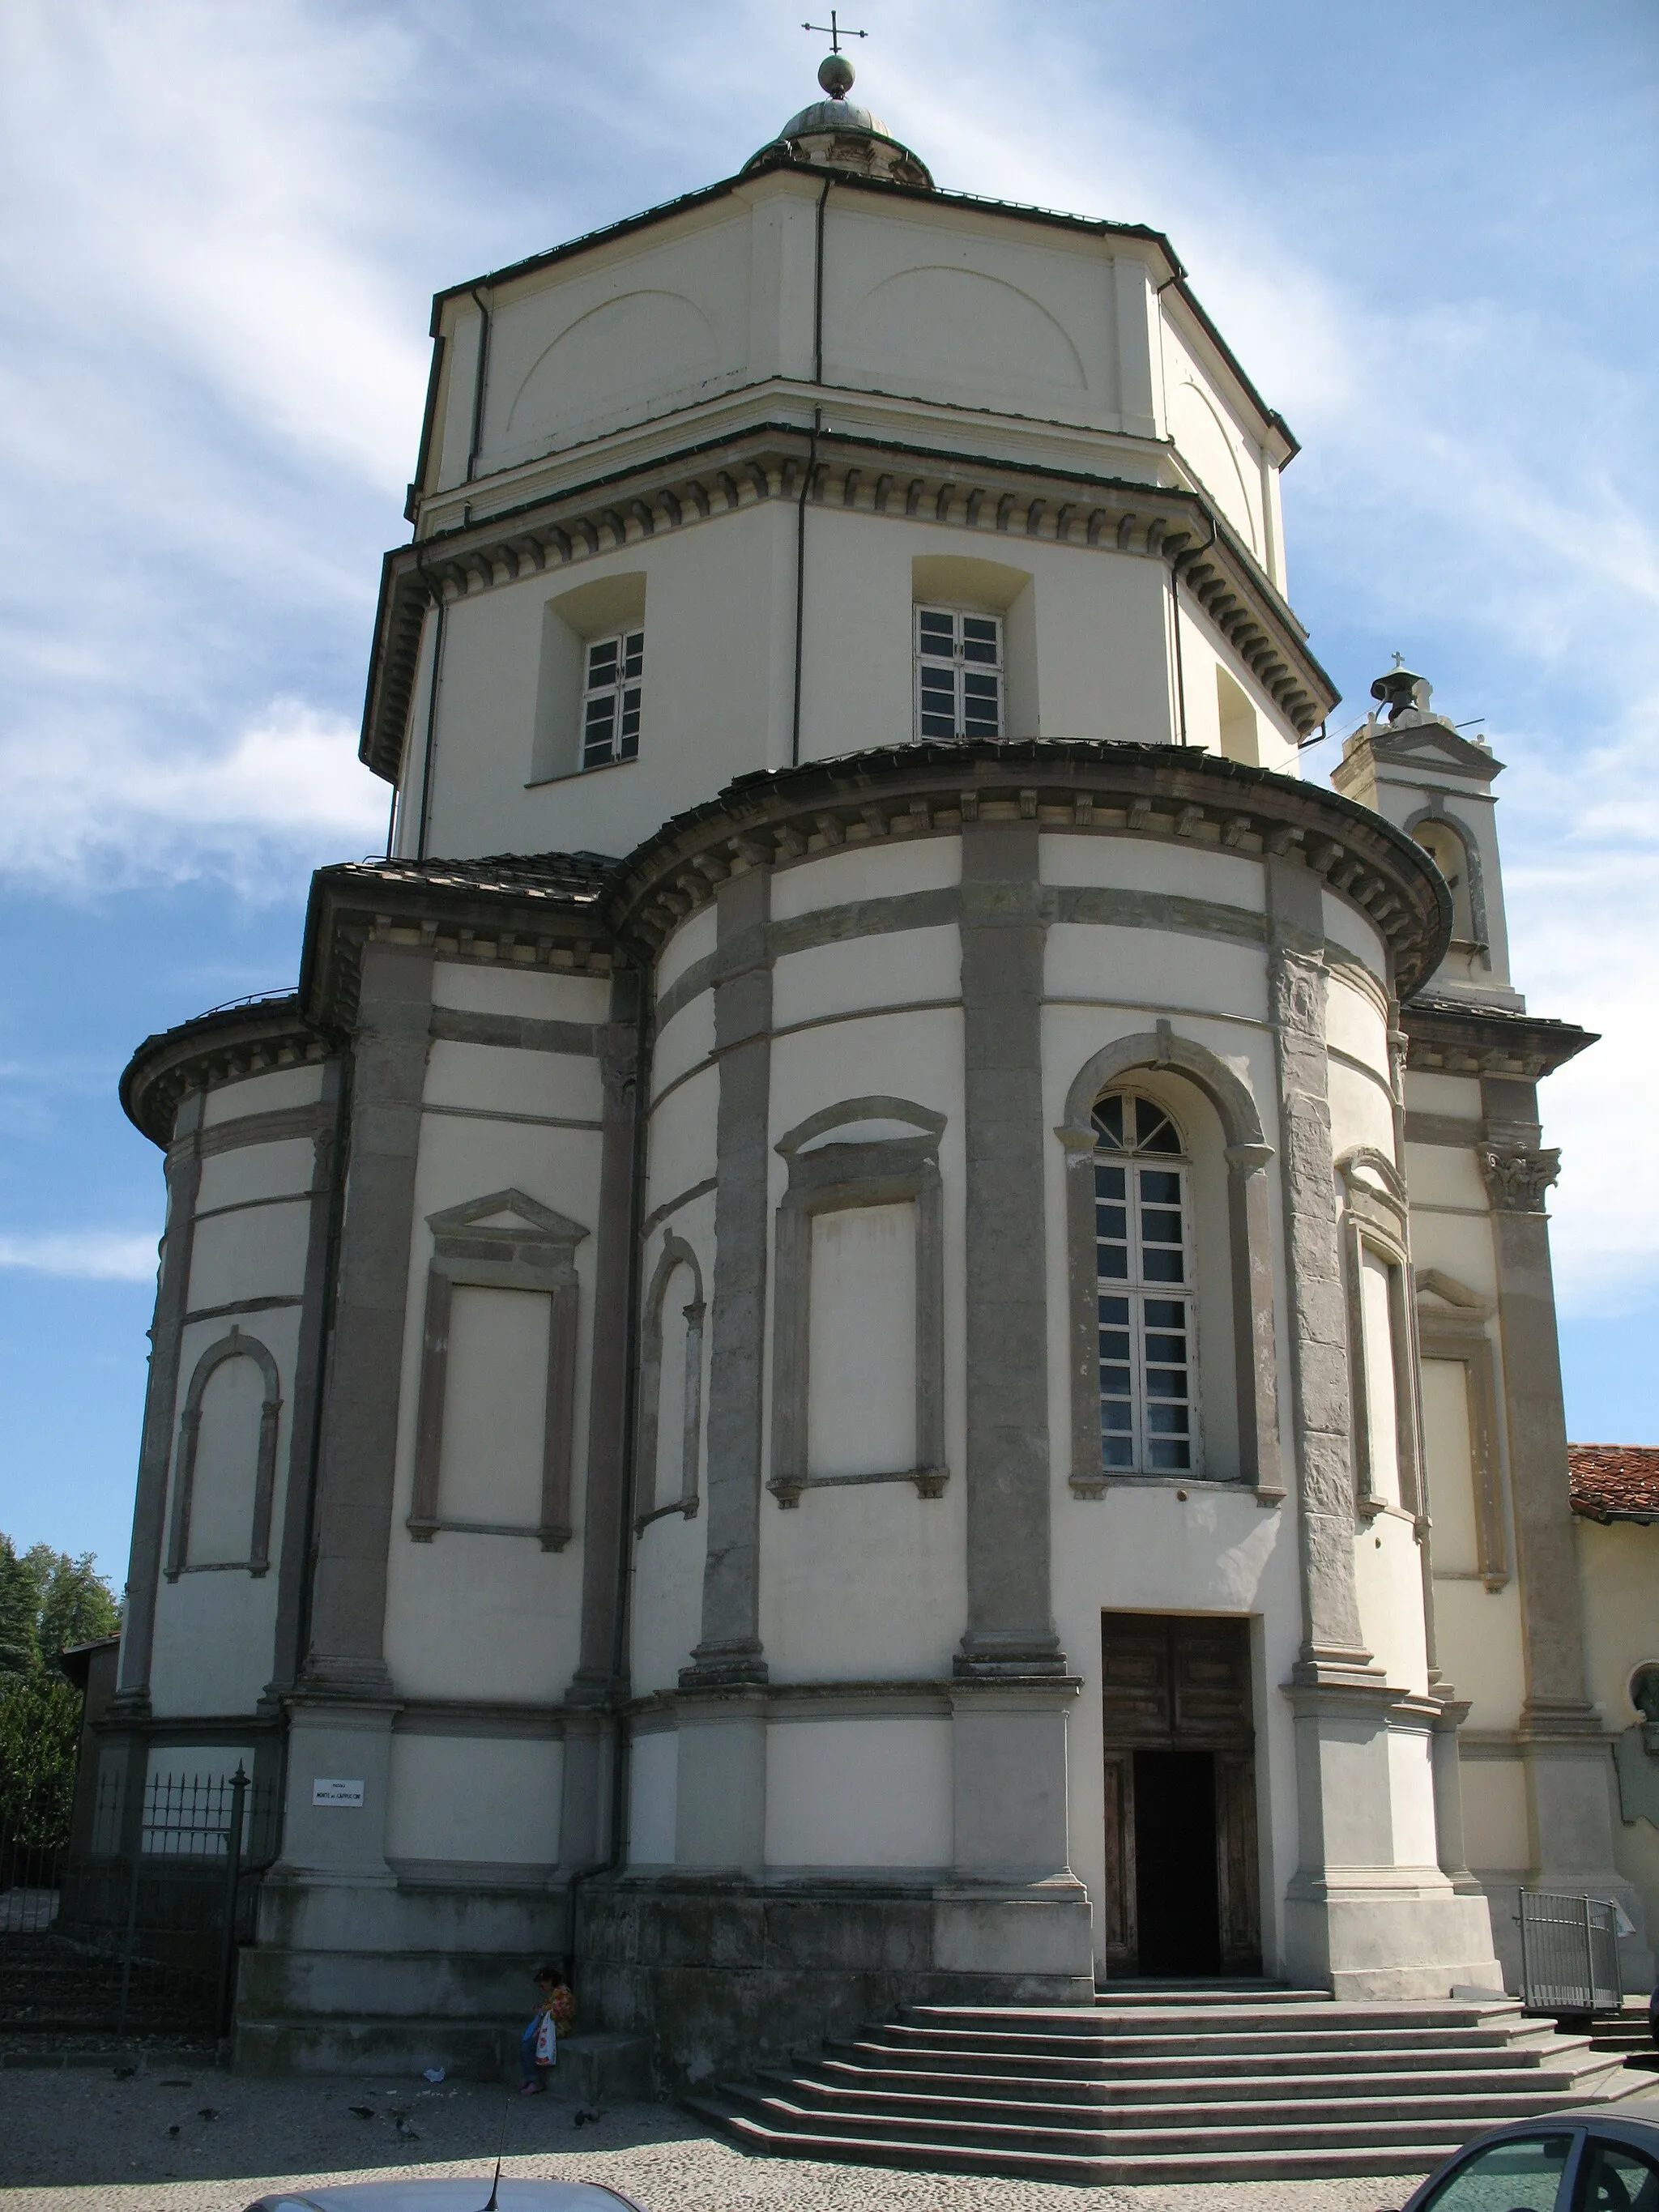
[(20, 1614), (39, 1729), (76, 1605), (48, 1602)]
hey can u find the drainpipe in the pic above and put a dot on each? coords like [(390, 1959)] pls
[(811, 467)]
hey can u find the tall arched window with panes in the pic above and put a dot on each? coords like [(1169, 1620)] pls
[(1149, 1421)]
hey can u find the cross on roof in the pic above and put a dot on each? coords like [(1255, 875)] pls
[(836, 33)]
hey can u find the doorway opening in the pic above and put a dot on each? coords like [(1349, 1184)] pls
[(1181, 1897), (1177, 1909)]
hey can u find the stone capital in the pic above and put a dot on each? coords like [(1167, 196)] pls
[(1517, 1175)]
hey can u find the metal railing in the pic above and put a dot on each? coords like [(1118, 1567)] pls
[(1569, 1954), (156, 1911)]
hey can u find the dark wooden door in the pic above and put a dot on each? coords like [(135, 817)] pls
[(1181, 1686)]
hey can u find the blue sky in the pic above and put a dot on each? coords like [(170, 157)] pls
[(1430, 232)]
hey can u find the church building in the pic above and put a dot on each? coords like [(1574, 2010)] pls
[(878, 1326)]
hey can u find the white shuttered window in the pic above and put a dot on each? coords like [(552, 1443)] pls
[(959, 673), (613, 687), (1144, 1284)]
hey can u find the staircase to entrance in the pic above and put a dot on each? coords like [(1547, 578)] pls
[(1187, 2082)]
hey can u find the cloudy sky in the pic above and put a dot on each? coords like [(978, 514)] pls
[(1431, 231)]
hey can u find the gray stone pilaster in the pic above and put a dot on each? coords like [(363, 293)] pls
[(1322, 1411), (184, 1178), (719, 1816), (1010, 1627), (1450, 1714), (294, 1541), (1563, 1737), (729, 1649), (605, 1520), (356, 1458)]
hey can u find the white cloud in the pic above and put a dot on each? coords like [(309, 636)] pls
[(107, 808), (90, 1256)]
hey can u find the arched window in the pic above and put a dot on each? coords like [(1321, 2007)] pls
[(1146, 1322), (1446, 848)]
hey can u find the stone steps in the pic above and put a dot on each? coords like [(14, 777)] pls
[(1197, 2083)]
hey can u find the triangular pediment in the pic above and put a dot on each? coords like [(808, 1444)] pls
[(511, 1215), (1433, 744), (1437, 1291)]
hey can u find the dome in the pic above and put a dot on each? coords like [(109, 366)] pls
[(838, 135)]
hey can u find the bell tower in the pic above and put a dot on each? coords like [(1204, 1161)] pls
[(1417, 770)]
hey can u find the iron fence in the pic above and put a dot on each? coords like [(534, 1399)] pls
[(1569, 1955), (142, 1932)]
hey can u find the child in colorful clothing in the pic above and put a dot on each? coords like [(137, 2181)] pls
[(552, 2017)]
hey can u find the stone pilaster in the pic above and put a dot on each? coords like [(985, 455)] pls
[(602, 1666), (1320, 1406), (729, 1649), (602, 1670), (1355, 1920), (1013, 1908), (293, 1543), (1563, 1737), (183, 1177), (1011, 1628), (357, 1454)]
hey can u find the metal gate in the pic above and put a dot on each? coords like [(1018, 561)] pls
[(140, 1936), (1569, 1954)]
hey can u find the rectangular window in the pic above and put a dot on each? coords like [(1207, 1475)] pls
[(959, 674), (611, 698), (1147, 1394)]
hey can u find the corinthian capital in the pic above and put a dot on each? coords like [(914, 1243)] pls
[(1517, 1175)]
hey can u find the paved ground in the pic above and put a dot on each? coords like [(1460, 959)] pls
[(202, 2140)]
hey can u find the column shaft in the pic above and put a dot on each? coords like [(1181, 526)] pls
[(356, 1460), (729, 1650), (1322, 1410), (1010, 1619), (184, 1176)]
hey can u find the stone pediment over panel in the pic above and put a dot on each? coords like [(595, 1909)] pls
[(946, 309), (1432, 744), (508, 1215)]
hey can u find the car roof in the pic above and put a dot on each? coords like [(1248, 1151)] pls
[(465, 2194)]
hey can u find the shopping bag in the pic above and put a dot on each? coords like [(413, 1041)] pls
[(547, 2042)]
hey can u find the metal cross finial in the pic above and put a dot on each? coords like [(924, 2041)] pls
[(1400, 660), (836, 34)]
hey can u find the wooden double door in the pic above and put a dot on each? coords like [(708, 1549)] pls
[(1182, 1887)]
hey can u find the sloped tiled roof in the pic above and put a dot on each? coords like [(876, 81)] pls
[(1614, 1482), (567, 875)]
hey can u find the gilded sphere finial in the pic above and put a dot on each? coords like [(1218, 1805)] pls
[(836, 75)]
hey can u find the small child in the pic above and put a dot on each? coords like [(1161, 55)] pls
[(552, 2017)]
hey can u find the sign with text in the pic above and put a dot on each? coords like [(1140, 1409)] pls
[(324, 1792)]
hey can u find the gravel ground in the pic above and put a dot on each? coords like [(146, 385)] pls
[(210, 2142)]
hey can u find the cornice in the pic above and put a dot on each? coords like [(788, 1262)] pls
[(214, 1048), (521, 911), (913, 790), (741, 469), (1445, 1038)]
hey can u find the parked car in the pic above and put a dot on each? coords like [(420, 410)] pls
[(1589, 2158), (507, 2196)]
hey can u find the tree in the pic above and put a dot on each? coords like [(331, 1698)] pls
[(20, 1614), (77, 1606), (48, 1602), (40, 1731)]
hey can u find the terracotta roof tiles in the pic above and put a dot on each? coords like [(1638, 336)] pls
[(1614, 1482)]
